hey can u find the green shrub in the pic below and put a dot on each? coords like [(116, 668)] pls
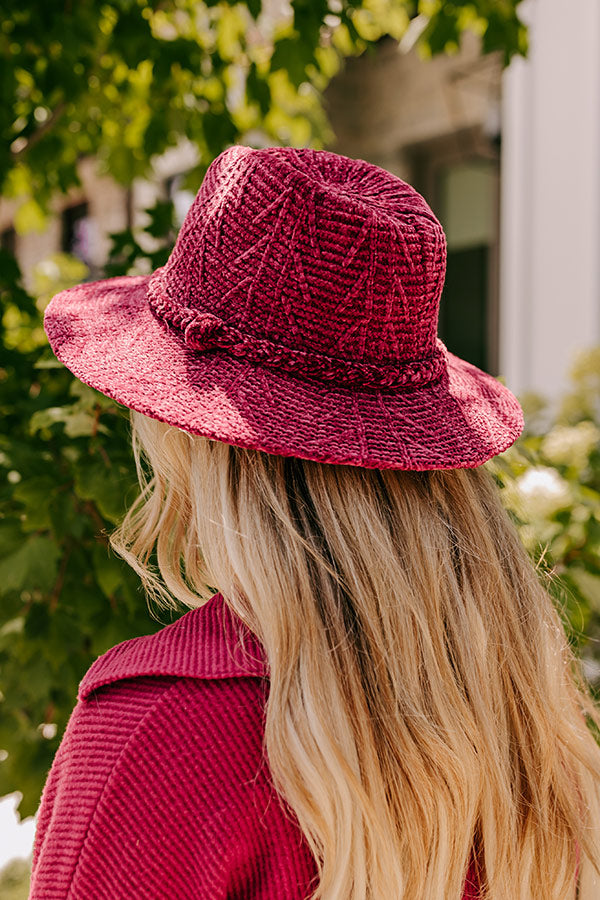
[(550, 481)]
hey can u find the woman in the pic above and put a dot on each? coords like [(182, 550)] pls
[(372, 695)]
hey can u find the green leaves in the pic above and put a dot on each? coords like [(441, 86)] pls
[(97, 480), (497, 23), (254, 7), (219, 131), (66, 474), (108, 570), (550, 483), (258, 89), (126, 252), (34, 494), (125, 81), (291, 55), (505, 32), (32, 566)]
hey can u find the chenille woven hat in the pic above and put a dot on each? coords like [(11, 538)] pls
[(297, 314)]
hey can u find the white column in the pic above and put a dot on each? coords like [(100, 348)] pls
[(550, 197)]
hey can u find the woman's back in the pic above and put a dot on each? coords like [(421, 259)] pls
[(307, 445), (161, 784)]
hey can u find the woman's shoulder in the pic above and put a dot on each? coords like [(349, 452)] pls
[(156, 696), (205, 643), (165, 739)]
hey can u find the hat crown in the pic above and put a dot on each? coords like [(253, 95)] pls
[(308, 254), (295, 315)]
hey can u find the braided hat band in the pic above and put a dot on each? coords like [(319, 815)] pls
[(205, 331), (297, 314)]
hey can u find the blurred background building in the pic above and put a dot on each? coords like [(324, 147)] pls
[(509, 161)]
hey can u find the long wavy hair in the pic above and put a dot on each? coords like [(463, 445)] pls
[(423, 696)]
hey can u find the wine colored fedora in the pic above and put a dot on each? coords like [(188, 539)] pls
[(297, 314)]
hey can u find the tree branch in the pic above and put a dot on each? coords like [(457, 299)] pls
[(39, 133)]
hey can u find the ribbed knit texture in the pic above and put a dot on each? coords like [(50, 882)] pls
[(297, 314), (160, 789)]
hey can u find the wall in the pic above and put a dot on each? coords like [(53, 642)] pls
[(550, 232)]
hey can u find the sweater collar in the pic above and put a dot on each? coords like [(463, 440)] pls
[(208, 642)]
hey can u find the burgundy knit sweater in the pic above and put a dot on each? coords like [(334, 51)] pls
[(160, 789)]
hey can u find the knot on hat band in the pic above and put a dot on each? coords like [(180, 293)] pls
[(201, 330)]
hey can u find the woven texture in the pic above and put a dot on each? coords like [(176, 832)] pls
[(160, 789), (297, 314)]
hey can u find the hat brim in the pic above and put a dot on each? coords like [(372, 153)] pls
[(107, 335)]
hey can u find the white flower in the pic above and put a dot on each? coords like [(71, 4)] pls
[(542, 492), (48, 268), (571, 446)]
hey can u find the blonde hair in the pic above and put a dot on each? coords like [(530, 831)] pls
[(422, 693)]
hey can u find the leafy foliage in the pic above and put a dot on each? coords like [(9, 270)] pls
[(550, 481), (123, 81), (127, 79), (67, 475)]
